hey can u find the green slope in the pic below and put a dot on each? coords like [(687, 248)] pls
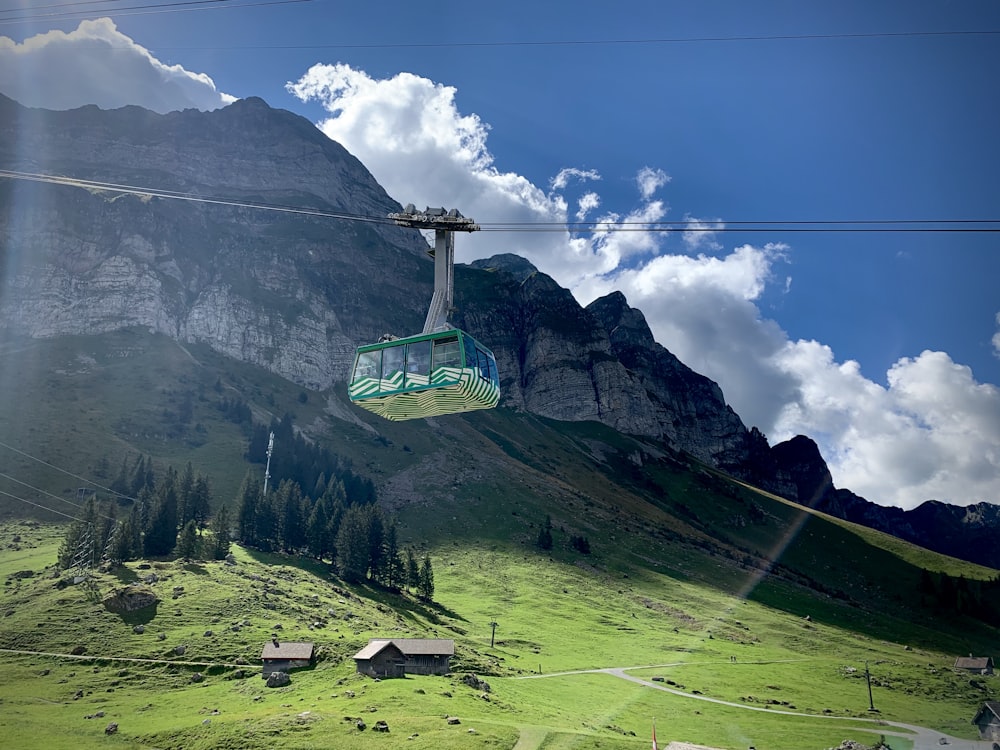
[(716, 587)]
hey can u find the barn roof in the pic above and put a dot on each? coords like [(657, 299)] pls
[(989, 707), (409, 647), (287, 650), (973, 662)]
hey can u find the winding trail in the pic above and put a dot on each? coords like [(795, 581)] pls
[(923, 738)]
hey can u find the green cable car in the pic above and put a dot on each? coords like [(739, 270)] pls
[(446, 372), (440, 371)]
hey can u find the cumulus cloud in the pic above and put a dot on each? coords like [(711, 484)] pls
[(931, 432), (97, 64), (588, 202), (562, 179), (650, 180), (702, 233), (996, 338)]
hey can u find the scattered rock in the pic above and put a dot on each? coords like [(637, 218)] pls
[(453, 720), (278, 679), (197, 677), (139, 629), (111, 728), (130, 599), (180, 650), (380, 726), (361, 725), (475, 683)]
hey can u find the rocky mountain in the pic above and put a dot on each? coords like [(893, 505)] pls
[(969, 533), (295, 291)]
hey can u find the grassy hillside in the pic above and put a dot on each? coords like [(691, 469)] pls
[(695, 583)]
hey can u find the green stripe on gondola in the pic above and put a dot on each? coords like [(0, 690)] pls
[(451, 390)]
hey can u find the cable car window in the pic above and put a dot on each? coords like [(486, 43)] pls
[(446, 353), (484, 363), (418, 363), (392, 368), (471, 358), (494, 377), (368, 365)]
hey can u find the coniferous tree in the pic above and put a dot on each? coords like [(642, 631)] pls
[(201, 501), (375, 521), (185, 493), (187, 541), (247, 504), (426, 587), (161, 529), (81, 540), (544, 540), (352, 545), (395, 571), (412, 570), (291, 520), (318, 538), (220, 533)]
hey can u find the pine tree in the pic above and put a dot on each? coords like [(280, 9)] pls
[(220, 533), (187, 541), (395, 571), (161, 530), (352, 545), (426, 587), (247, 503), (544, 540), (412, 570), (375, 521)]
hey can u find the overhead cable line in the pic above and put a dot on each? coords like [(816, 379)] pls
[(140, 10), (602, 42), (50, 510), (177, 195), (64, 471), (596, 226), (45, 492)]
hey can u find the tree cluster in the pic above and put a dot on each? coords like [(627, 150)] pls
[(145, 518)]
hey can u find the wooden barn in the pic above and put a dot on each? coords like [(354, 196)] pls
[(988, 721), (283, 657), (977, 664), (397, 657)]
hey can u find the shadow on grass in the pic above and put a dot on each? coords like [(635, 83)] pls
[(404, 605), (139, 616), (124, 574), (196, 569)]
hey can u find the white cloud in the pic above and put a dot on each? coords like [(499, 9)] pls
[(587, 203), (97, 64), (650, 180), (932, 432), (702, 233), (996, 338), (562, 179)]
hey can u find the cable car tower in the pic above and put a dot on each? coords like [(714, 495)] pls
[(441, 370)]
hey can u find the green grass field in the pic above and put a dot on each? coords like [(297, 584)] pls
[(552, 617), (694, 584)]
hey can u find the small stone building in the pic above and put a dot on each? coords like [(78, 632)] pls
[(988, 720), (282, 657), (977, 664), (397, 657)]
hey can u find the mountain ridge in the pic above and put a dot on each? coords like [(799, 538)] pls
[(293, 294)]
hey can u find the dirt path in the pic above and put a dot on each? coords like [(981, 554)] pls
[(92, 657)]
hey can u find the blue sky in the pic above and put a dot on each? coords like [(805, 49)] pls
[(883, 346)]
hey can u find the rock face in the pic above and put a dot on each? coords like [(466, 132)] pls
[(294, 293), (969, 533)]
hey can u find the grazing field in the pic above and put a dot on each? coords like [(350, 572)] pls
[(551, 617)]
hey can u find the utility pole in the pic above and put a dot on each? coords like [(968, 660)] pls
[(267, 468), (868, 677), (493, 624)]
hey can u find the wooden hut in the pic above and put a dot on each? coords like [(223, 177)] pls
[(284, 656), (988, 721), (977, 664), (396, 657)]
